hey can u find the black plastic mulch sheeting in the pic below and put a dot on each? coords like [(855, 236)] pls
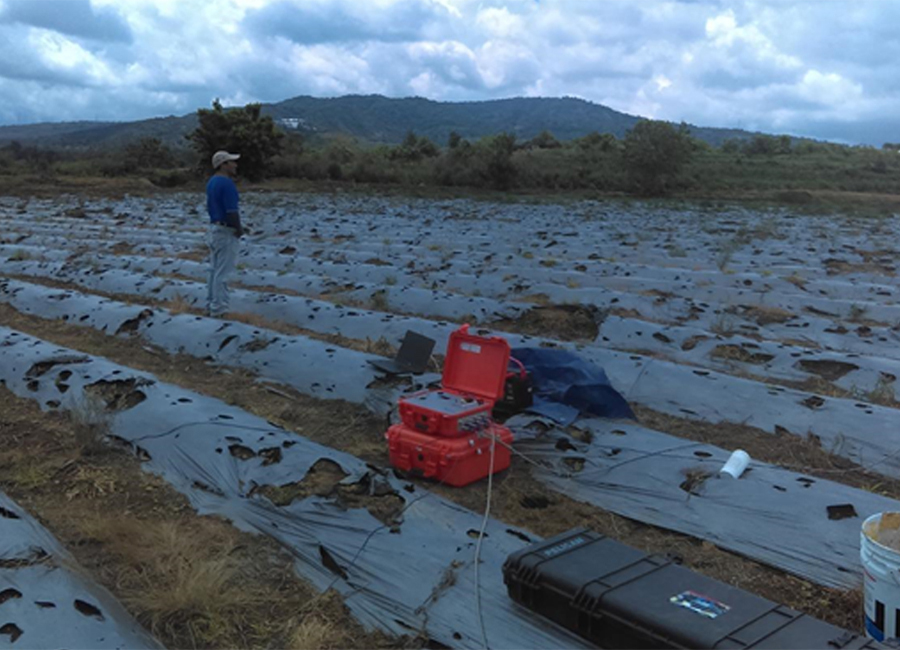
[(804, 525), (413, 577), (45, 602), (315, 368)]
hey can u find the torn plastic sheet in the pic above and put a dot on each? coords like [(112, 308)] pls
[(654, 301), (46, 601), (316, 315), (860, 431), (813, 318), (425, 268), (765, 359), (695, 286), (807, 526), (313, 367), (412, 575), (650, 501), (694, 345), (566, 232), (401, 298), (863, 432), (817, 326)]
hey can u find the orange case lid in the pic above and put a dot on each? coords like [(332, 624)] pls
[(476, 365)]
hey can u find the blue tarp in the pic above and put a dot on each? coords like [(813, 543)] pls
[(566, 385)]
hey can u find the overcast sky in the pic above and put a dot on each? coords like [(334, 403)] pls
[(828, 69)]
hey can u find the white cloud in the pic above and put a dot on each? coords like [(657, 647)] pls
[(499, 23), (71, 17), (829, 89), (59, 53), (763, 64), (503, 64)]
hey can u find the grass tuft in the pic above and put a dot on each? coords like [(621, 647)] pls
[(317, 632), (91, 424), (178, 304), (181, 580)]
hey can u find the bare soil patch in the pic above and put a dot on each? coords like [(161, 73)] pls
[(562, 322), (732, 352), (763, 316), (827, 369), (324, 480), (834, 266)]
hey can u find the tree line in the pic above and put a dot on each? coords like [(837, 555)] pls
[(653, 159)]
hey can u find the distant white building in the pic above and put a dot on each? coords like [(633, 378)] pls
[(295, 123)]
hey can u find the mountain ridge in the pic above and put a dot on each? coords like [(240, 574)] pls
[(372, 118)]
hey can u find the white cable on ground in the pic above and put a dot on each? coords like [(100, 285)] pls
[(487, 514)]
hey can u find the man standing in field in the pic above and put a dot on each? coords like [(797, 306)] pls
[(224, 230)]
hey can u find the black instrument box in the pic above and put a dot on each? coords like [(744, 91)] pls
[(618, 597), (518, 393)]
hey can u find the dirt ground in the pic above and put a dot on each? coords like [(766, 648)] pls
[(517, 499), (193, 581)]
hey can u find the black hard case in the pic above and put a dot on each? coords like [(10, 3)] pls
[(618, 597)]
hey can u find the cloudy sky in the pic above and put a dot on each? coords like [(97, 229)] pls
[(828, 69)]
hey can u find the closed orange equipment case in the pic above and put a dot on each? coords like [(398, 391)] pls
[(473, 380), (456, 461)]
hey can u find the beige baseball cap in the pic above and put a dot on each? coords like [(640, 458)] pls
[(223, 157)]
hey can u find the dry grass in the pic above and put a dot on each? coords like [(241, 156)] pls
[(122, 248), (381, 346), (316, 632), (763, 315), (91, 424), (731, 352), (28, 185), (820, 386), (262, 288), (195, 582), (198, 254), (178, 304), (883, 393), (379, 301), (264, 323), (562, 322), (185, 579), (835, 266), (318, 625), (536, 298), (792, 450), (797, 281), (724, 325)]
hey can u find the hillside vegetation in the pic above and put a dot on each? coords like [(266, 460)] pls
[(370, 118), (650, 159)]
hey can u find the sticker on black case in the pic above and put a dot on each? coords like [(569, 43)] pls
[(703, 605)]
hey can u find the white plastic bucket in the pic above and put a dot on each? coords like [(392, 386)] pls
[(879, 550), (736, 464)]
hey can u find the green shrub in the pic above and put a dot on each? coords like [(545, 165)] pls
[(239, 130)]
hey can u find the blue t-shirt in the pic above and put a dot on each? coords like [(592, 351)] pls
[(221, 198)]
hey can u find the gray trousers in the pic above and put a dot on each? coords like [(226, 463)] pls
[(223, 250)]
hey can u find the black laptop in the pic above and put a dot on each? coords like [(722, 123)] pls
[(412, 357)]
